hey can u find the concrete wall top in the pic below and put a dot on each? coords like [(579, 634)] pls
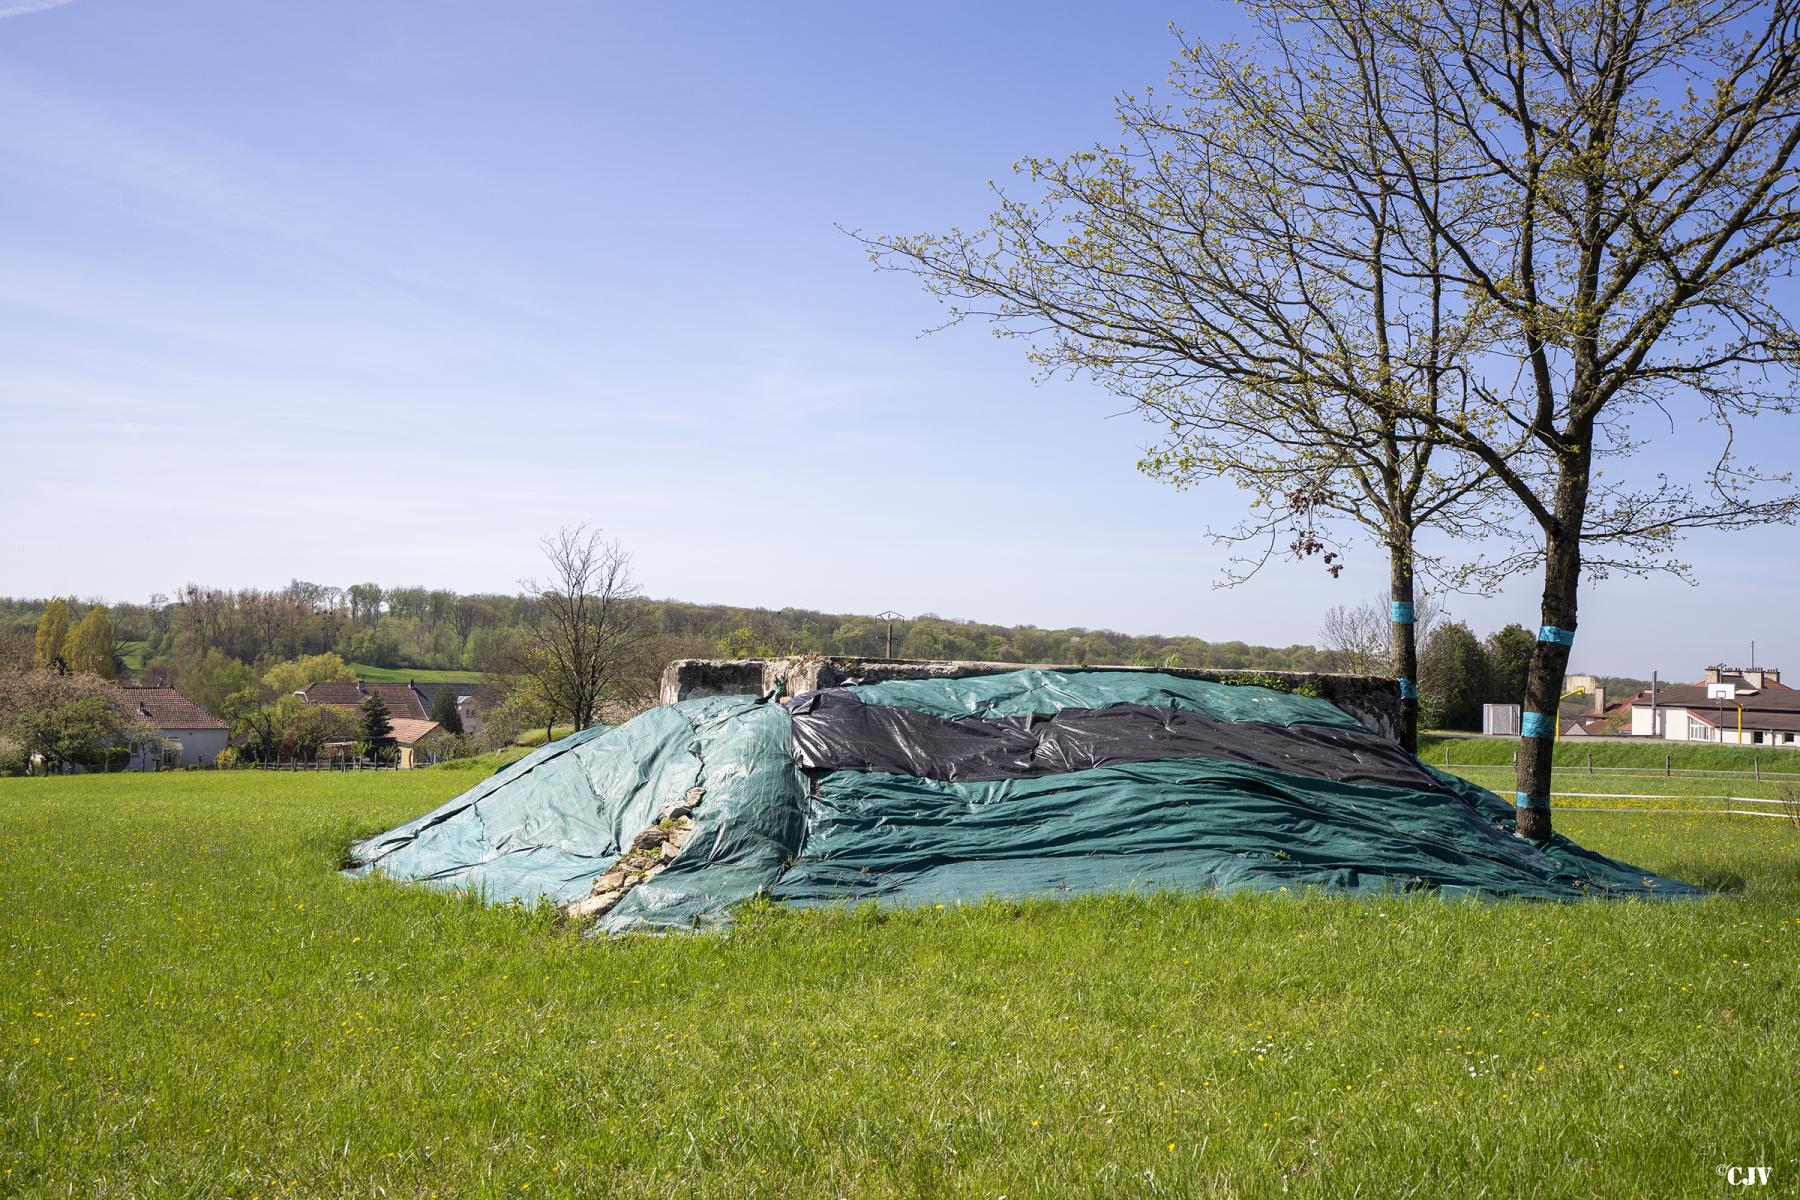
[(1371, 699)]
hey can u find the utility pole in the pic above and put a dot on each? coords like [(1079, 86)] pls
[(890, 617)]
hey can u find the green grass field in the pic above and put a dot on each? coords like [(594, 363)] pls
[(1646, 755), (369, 674), (194, 1003)]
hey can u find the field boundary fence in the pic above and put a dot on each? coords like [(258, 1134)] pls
[(321, 766), (1668, 770)]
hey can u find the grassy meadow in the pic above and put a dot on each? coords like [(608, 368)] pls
[(1606, 754), (131, 654), (373, 674), (194, 1003)]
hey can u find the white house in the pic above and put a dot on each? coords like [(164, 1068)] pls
[(194, 736), (1747, 706)]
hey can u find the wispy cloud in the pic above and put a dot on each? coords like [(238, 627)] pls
[(18, 8)]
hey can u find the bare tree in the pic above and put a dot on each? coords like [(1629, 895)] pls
[(1355, 635), (1358, 636), (583, 638)]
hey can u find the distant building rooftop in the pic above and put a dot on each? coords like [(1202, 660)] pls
[(407, 731), (166, 708), (401, 699)]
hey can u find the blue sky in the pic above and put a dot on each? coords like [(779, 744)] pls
[(353, 291)]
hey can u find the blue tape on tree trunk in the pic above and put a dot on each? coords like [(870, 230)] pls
[(1550, 633), (1534, 725), (1401, 612), (1407, 690), (1523, 800)]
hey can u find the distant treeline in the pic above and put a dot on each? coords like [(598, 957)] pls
[(413, 627)]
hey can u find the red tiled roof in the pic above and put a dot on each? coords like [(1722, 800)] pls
[(402, 702), (408, 731), (166, 708)]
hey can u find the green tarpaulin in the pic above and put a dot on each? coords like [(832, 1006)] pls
[(1026, 783)]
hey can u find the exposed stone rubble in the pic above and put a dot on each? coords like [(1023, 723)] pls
[(650, 851)]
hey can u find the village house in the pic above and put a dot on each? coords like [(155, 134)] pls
[(409, 700), (192, 736), (410, 740), (472, 700), (409, 707), (403, 701)]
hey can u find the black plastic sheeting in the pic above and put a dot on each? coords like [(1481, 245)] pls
[(835, 731)]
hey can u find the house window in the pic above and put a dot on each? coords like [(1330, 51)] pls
[(1699, 731)]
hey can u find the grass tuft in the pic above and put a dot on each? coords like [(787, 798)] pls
[(1716, 876)]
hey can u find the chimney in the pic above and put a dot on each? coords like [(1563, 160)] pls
[(1712, 675), (1599, 700)]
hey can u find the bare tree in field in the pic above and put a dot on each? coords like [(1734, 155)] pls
[(1355, 635), (583, 638), (1358, 636)]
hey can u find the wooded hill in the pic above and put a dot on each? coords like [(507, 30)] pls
[(427, 629)]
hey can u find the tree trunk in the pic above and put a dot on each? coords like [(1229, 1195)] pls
[(1539, 714), (1403, 646)]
